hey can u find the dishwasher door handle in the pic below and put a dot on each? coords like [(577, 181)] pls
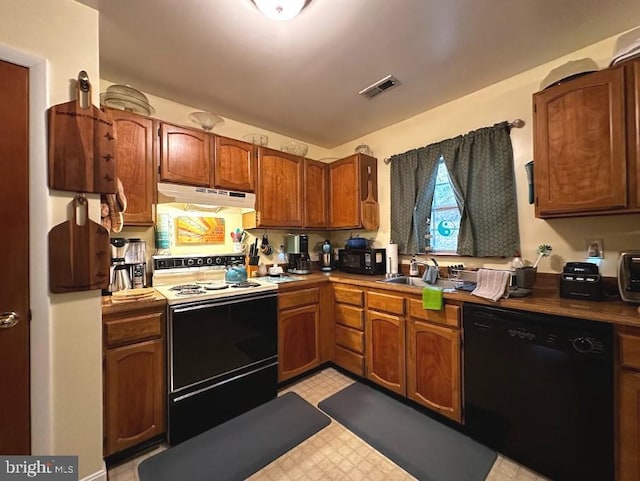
[(482, 326)]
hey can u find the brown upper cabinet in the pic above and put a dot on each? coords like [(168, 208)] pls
[(279, 199), (586, 150), (185, 155), (316, 191), (135, 165), (348, 187), (234, 166)]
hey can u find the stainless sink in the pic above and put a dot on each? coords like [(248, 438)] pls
[(418, 282)]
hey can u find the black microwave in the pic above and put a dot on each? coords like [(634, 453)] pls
[(362, 261)]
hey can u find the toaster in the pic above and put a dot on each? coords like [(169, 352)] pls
[(581, 280), (629, 276)]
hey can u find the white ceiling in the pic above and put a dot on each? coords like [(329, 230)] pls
[(300, 78)]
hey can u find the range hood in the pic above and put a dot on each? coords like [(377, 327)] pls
[(205, 196)]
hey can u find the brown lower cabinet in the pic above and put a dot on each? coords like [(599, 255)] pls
[(349, 316), (628, 344), (385, 341), (434, 358), (302, 330), (389, 338), (134, 377)]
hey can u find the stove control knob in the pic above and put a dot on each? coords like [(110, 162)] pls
[(190, 262), (218, 260), (200, 261), (209, 261)]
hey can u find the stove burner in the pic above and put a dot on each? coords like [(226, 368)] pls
[(182, 287), (246, 284), (215, 287), (188, 292)]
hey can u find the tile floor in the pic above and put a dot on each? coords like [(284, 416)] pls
[(334, 453)]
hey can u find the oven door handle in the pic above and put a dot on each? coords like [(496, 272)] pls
[(244, 374)]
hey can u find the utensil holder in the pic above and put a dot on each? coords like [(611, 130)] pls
[(526, 277)]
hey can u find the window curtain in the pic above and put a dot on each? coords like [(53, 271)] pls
[(413, 182), (480, 166)]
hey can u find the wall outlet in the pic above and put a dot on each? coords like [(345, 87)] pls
[(594, 248)]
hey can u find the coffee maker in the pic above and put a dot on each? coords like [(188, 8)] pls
[(136, 261), (327, 257), (298, 254), (120, 278)]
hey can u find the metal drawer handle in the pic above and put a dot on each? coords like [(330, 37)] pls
[(8, 319)]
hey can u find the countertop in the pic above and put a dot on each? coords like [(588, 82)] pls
[(544, 299), (109, 307)]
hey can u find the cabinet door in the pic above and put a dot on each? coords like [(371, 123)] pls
[(185, 156), (344, 193), (134, 157), (634, 125), (579, 149), (279, 189), (433, 368), (234, 165), (385, 351), (629, 426), (298, 341), (134, 386), (316, 175)]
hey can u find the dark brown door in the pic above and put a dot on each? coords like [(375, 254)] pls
[(14, 249)]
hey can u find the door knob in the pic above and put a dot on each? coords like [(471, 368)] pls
[(8, 319)]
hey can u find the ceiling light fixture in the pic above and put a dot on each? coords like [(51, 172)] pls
[(281, 9)]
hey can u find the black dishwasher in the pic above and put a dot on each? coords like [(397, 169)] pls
[(539, 389)]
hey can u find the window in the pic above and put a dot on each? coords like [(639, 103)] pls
[(445, 214)]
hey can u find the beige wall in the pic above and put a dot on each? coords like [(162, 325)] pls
[(506, 100), (57, 39)]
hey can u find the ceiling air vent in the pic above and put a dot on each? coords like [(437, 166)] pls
[(380, 86)]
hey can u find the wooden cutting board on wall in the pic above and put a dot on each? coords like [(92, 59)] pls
[(81, 145), (78, 253)]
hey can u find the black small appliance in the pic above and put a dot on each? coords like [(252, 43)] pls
[(362, 261), (581, 280)]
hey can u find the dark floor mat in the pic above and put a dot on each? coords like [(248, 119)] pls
[(241, 446), (423, 447)]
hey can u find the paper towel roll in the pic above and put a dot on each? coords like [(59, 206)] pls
[(392, 258)]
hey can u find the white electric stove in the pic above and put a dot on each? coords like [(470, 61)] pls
[(222, 342), (191, 278)]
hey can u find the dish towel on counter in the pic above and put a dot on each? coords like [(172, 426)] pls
[(492, 284), (432, 298)]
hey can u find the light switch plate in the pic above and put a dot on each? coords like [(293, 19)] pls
[(594, 248)]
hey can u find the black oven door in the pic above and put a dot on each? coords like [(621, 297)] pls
[(222, 361)]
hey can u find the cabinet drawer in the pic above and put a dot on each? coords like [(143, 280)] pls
[(629, 347), (133, 329), (378, 301), (349, 360), (449, 316), (350, 316), (350, 338), (302, 297), (349, 296)]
